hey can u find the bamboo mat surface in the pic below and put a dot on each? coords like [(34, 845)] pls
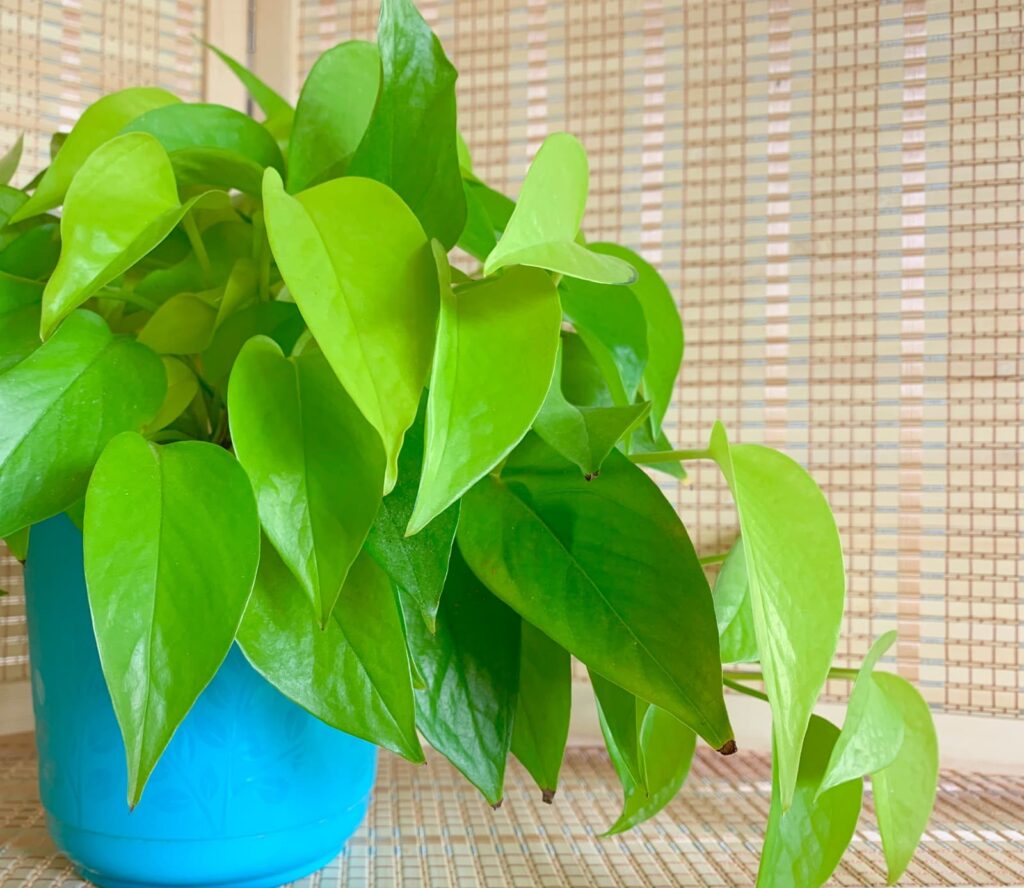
[(427, 827)]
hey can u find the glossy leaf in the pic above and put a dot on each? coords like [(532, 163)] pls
[(797, 585), (101, 121), (58, 415), (904, 792), (477, 410), (664, 330), (584, 435), (316, 465), (9, 162), (543, 228), (621, 715), (410, 143), (165, 526), (873, 729), (541, 726), (122, 203), (332, 114), (182, 387), (183, 325), (471, 669), (354, 674), (280, 321), (611, 324), (355, 259), (803, 844), (212, 145), (666, 752), (733, 610), (417, 564), (606, 567)]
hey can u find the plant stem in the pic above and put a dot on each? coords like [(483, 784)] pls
[(838, 674), (743, 689), (669, 456), (129, 297), (196, 240), (718, 558)]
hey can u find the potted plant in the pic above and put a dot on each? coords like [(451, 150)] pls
[(299, 487)]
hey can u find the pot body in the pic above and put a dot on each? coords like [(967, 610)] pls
[(251, 791)]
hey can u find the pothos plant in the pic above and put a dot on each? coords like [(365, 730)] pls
[(241, 359)]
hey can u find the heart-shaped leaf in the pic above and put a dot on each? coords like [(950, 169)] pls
[(666, 748), (332, 114), (543, 706), (470, 666), (122, 203), (212, 145), (610, 321), (164, 528), (873, 729), (418, 564), (905, 790), (101, 121), (477, 411), (803, 844), (606, 567), (664, 330), (544, 226), (360, 268), (797, 585), (316, 465), (354, 673), (58, 414), (410, 143), (733, 610)]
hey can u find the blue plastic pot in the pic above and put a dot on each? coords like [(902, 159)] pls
[(252, 790)]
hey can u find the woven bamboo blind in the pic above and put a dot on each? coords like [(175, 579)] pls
[(833, 190), (56, 57)]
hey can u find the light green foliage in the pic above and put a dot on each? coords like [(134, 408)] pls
[(411, 491), (149, 570)]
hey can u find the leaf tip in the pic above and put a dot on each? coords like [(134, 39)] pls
[(727, 748), (547, 796), (496, 805)]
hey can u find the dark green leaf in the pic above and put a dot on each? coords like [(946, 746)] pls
[(316, 465), (354, 675), (797, 584), (905, 791), (151, 514), (487, 214), (17, 544), (19, 319), (621, 715), (33, 253), (471, 668), (541, 726), (582, 381), (332, 114), (543, 228), (803, 844), (611, 324), (212, 145), (58, 414), (280, 321), (606, 569), (477, 410), (10, 201), (410, 143), (101, 121), (355, 259), (418, 564), (735, 614), (664, 330)]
